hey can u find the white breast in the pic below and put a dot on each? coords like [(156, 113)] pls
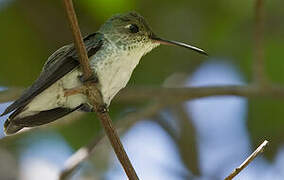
[(114, 73)]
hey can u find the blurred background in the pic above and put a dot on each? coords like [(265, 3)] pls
[(200, 139)]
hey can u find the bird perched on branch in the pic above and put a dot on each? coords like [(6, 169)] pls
[(114, 51)]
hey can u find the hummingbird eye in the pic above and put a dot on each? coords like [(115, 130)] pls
[(133, 28)]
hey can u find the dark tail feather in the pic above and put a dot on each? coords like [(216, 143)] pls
[(12, 126)]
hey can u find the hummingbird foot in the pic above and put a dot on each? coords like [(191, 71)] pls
[(92, 79), (103, 108), (74, 91)]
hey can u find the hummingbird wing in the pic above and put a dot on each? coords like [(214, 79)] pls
[(58, 64)]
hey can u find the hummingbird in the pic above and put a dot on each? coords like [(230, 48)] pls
[(113, 51)]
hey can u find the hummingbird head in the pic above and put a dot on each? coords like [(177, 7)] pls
[(130, 31)]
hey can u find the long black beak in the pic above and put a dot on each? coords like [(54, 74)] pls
[(175, 43)]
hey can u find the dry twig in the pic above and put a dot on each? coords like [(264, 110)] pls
[(94, 95), (259, 150)]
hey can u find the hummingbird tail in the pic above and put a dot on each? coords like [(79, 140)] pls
[(15, 122), (10, 128)]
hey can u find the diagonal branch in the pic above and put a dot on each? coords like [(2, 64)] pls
[(79, 156), (259, 150), (79, 44), (94, 95)]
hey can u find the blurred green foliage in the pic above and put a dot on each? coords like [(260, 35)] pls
[(103, 9)]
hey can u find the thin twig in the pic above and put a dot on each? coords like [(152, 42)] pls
[(258, 65), (259, 150), (94, 95)]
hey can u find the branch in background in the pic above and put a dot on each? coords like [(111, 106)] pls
[(79, 156), (94, 95), (259, 150), (187, 139), (187, 93), (133, 94), (258, 65), (85, 152)]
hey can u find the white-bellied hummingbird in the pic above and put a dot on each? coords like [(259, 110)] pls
[(114, 51)]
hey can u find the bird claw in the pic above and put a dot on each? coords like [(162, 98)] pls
[(103, 108)]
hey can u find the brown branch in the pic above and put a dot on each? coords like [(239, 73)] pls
[(94, 95), (258, 65), (259, 150), (79, 44)]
